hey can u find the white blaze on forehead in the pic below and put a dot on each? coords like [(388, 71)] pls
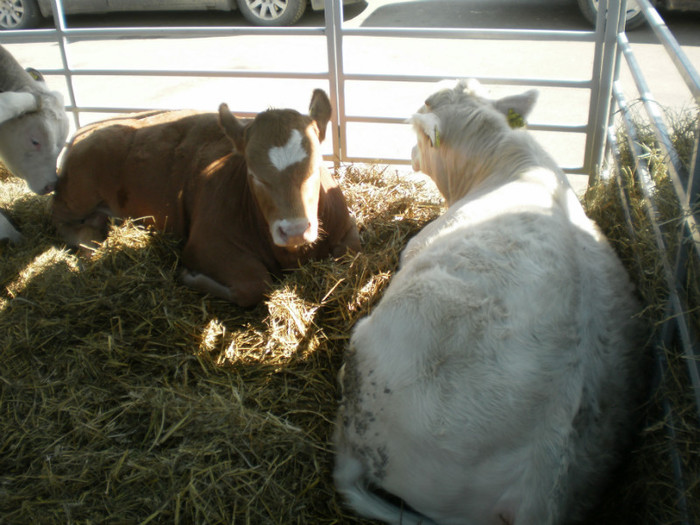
[(292, 152)]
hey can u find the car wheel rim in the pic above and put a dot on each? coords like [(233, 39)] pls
[(267, 9), (11, 13), (632, 6)]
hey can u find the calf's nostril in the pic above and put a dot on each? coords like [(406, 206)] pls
[(282, 234), (293, 232), (296, 229)]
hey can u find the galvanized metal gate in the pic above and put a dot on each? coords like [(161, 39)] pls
[(597, 80), (607, 108)]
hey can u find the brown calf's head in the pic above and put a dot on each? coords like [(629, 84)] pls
[(282, 152)]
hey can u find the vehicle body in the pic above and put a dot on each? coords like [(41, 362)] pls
[(27, 14), (634, 15)]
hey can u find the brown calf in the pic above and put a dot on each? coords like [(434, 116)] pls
[(245, 213)]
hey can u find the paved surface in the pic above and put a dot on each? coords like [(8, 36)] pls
[(447, 58)]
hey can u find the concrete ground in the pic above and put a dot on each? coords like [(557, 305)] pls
[(366, 55)]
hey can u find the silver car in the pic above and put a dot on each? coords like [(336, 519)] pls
[(27, 14), (634, 17)]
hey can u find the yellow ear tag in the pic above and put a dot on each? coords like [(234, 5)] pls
[(437, 137), (515, 119), (34, 74)]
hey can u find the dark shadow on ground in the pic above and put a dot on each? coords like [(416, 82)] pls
[(502, 14)]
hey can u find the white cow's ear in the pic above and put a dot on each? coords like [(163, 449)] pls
[(13, 104), (517, 107), (35, 74), (474, 87), (429, 125)]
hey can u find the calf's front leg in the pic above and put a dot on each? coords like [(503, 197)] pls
[(243, 280), (350, 242), (79, 217), (81, 231)]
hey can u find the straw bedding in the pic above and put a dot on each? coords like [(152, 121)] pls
[(127, 398)]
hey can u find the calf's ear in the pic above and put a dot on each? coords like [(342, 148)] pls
[(320, 111), (521, 105), (232, 127)]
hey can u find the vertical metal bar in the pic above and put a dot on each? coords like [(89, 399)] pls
[(60, 23), (622, 21), (595, 86), (615, 9), (688, 247), (693, 188), (334, 39)]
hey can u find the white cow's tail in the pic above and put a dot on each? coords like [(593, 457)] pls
[(351, 483)]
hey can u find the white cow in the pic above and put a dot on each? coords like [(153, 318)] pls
[(33, 130), (496, 380)]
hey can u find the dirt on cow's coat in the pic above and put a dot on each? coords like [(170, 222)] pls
[(125, 397)]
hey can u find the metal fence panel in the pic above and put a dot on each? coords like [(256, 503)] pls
[(337, 76), (678, 329)]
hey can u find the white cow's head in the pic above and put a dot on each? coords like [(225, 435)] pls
[(283, 157), (456, 121), (33, 130)]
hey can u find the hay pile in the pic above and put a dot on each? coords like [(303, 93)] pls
[(647, 491), (127, 398)]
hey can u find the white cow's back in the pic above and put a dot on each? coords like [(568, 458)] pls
[(487, 356), (496, 380)]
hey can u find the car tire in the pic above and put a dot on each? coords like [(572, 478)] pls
[(633, 19), (19, 14), (272, 12)]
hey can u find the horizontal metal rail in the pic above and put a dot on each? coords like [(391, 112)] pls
[(474, 34), (109, 33), (674, 51)]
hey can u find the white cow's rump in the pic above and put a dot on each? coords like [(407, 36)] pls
[(496, 380)]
